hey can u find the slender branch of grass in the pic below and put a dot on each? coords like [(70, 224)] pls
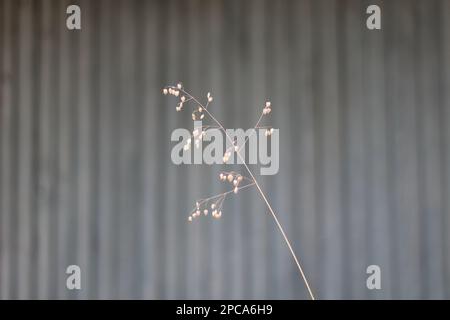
[(253, 178)]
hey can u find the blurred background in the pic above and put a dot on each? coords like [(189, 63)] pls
[(86, 176)]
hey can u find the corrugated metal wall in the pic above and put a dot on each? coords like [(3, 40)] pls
[(86, 176)]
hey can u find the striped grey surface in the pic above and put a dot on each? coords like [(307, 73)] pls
[(86, 176)]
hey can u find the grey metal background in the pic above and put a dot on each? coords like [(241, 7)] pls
[(86, 176)]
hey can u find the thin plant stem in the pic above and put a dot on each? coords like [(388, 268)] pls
[(255, 182), (280, 227)]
